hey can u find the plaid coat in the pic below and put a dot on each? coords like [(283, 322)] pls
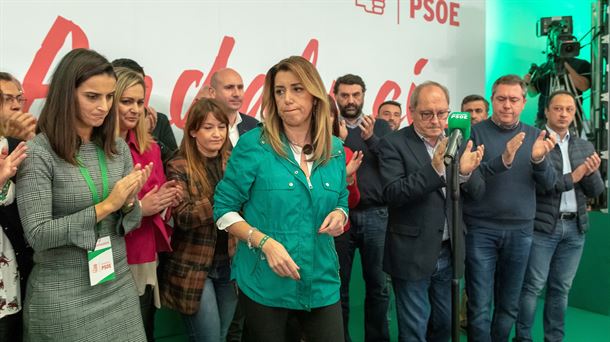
[(193, 244)]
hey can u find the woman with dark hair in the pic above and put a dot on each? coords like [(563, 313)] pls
[(76, 192), (284, 196), (153, 235), (197, 275)]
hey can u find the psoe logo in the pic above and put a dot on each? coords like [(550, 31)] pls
[(372, 6), (440, 12), (460, 116)]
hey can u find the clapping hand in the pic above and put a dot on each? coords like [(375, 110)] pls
[(10, 162), (542, 146), (470, 160)]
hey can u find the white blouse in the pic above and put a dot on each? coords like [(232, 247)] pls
[(10, 292)]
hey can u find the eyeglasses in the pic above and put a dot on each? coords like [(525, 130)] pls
[(6, 98), (427, 115)]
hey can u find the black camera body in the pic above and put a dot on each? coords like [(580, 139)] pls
[(561, 42)]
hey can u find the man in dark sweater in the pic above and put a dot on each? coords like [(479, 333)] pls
[(561, 222), (370, 218), (500, 224)]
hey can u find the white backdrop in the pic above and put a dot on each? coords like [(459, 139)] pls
[(392, 44)]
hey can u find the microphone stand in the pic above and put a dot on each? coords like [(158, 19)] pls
[(457, 245)]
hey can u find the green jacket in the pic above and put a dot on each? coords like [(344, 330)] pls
[(273, 195)]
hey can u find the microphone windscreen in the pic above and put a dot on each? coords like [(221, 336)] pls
[(461, 121)]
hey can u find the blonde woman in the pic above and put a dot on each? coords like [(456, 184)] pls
[(152, 236), (284, 196)]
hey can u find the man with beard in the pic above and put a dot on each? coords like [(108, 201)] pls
[(369, 219), (390, 111)]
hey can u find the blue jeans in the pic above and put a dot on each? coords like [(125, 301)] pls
[(367, 232), (218, 301), (423, 307), (495, 265), (553, 261)]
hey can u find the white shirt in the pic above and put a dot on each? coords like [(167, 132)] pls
[(233, 132), (568, 198), (10, 293)]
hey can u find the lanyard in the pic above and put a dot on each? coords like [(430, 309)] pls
[(101, 158)]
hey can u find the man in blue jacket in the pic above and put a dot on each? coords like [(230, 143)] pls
[(561, 222)]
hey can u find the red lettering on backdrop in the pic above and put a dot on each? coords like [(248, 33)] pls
[(254, 88), (441, 11), (52, 43), (310, 52), (184, 82), (385, 90), (188, 77), (148, 81), (62, 27), (417, 69)]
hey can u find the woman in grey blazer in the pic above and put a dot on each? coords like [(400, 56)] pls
[(76, 196)]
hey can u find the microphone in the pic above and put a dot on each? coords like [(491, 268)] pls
[(459, 130)]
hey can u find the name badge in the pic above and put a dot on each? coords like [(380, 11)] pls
[(101, 263)]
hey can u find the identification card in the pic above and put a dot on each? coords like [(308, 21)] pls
[(101, 263)]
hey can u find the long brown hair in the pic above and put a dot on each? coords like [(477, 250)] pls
[(195, 161), (320, 129), (61, 108)]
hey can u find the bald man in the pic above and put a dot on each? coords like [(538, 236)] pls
[(228, 87)]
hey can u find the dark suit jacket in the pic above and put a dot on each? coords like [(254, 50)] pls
[(548, 202), (247, 123), (164, 136), (417, 207)]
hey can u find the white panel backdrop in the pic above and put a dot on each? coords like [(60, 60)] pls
[(392, 44)]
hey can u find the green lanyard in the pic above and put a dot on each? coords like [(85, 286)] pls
[(101, 158)]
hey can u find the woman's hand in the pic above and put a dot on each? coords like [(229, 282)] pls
[(353, 165), (333, 223), (10, 162), (124, 189), (280, 261), (142, 174), (159, 198)]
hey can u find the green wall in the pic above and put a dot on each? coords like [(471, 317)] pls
[(512, 45)]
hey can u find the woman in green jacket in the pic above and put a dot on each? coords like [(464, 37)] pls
[(284, 196)]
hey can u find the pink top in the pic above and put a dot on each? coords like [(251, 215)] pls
[(153, 235)]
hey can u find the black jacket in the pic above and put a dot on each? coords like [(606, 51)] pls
[(417, 207), (548, 202)]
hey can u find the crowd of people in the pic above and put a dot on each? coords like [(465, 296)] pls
[(249, 230)]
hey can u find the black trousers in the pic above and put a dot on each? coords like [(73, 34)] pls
[(11, 327), (147, 308), (265, 323)]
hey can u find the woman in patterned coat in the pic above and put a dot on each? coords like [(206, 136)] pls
[(76, 190), (196, 277)]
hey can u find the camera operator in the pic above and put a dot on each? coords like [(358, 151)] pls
[(561, 71), (578, 72)]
